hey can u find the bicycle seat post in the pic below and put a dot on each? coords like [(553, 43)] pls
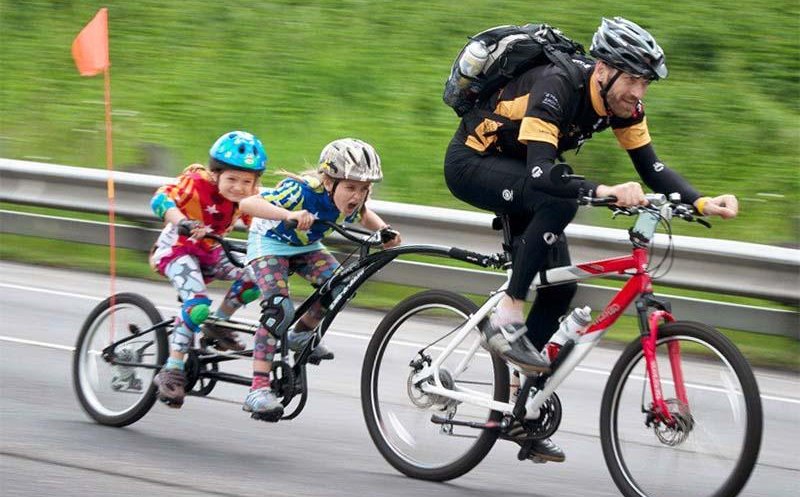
[(503, 223)]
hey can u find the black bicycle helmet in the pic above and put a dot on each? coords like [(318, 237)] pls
[(626, 46)]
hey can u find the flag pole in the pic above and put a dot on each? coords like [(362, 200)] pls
[(112, 243), (90, 51)]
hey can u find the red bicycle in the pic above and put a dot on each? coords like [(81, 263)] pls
[(680, 413)]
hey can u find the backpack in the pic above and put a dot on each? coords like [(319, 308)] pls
[(493, 57)]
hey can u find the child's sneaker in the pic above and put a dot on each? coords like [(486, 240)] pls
[(298, 340), (221, 338), (171, 383), (263, 405)]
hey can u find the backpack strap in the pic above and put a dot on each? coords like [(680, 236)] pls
[(565, 62)]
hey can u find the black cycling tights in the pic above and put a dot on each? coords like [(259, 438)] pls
[(501, 185)]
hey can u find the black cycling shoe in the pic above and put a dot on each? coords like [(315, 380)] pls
[(510, 343), (546, 451)]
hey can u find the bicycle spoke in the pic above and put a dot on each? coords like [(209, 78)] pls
[(401, 362)]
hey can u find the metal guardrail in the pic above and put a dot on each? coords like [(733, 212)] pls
[(722, 266)]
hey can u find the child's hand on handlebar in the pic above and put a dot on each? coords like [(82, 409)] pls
[(391, 238), (304, 219), (192, 228), (628, 194)]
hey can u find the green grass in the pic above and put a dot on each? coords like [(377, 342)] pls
[(300, 74), (762, 350)]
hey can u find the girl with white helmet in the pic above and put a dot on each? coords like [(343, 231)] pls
[(336, 191)]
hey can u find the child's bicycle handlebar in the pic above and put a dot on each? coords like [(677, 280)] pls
[(368, 238), (356, 235)]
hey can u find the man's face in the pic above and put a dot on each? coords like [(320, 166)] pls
[(625, 93)]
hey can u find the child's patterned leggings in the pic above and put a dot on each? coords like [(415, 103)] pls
[(271, 274), (189, 278)]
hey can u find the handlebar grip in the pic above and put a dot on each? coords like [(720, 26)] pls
[(186, 226), (388, 234), (468, 256)]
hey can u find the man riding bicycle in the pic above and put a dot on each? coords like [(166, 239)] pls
[(504, 151)]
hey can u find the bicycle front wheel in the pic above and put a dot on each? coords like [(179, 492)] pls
[(396, 410), (118, 395), (711, 446)]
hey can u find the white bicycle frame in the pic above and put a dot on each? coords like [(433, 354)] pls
[(470, 330), (635, 264)]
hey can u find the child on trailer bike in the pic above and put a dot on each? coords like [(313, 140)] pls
[(204, 200), (508, 169), (337, 191)]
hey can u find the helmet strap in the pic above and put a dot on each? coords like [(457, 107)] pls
[(333, 189), (604, 89)]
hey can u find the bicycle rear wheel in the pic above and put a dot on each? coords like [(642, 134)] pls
[(712, 447), (116, 395), (398, 414)]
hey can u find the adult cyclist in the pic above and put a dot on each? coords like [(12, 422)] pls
[(502, 161)]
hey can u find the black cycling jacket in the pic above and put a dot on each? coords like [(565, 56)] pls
[(542, 113)]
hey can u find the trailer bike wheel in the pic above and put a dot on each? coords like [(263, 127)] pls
[(113, 394)]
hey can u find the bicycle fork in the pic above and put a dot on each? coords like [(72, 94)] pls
[(649, 331)]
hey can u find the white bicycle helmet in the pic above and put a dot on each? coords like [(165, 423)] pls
[(349, 158), (627, 46)]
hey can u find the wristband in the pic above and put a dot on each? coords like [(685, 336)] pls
[(700, 204)]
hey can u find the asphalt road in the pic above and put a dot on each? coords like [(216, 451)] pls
[(48, 446)]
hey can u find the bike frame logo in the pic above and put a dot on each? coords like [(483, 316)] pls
[(352, 281), (609, 312)]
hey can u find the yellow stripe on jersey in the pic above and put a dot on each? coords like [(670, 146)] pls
[(478, 140), (537, 130), (633, 136), (513, 109)]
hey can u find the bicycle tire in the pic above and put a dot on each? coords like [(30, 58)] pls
[(369, 380), (725, 353), (89, 399)]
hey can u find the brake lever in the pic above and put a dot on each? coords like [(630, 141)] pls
[(619, 211), (703, 222)]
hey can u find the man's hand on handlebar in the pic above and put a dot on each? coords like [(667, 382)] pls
[(304, 219), (628, 194), (724, 206)]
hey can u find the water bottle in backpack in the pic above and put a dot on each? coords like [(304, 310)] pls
[(569, 329), (493, 57), (468, 67)]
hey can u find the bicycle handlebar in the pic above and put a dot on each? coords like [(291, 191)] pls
[(228, 247), (368, 238), (656, 202)]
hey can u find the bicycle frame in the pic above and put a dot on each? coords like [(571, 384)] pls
[(638, 290)]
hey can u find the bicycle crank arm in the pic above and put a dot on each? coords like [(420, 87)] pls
[(489, 425)]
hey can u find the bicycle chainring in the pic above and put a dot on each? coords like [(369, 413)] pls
[(545, 425)]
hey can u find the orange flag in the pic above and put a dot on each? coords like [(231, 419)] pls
[(90, 48)]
